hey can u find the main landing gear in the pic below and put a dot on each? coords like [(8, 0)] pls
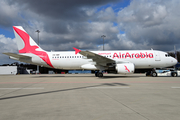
[(98, 74)]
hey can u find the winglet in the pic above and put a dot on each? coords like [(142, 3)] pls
[(76, 50)]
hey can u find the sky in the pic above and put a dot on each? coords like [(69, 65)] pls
[(64, 24)]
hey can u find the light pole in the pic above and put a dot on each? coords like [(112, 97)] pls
[(103, 36), (38, 45), (38, 35)]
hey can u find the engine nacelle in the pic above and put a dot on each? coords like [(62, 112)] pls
[(125, 68)]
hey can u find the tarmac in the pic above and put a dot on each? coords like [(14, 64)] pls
[(86, 97)]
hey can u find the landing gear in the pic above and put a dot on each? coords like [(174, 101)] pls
[(98, 74), (154, 74)]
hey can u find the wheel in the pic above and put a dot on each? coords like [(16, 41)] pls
[(174, 74), (154, 74), (100, 74)]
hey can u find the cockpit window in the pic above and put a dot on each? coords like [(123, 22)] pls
[(167, 55)]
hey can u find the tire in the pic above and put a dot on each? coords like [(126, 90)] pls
[(174, 74), (154, 74), (100, 74)]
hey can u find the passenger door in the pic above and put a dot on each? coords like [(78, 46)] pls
[(157, 56)]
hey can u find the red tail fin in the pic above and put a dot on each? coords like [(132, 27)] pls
[(27, 45)]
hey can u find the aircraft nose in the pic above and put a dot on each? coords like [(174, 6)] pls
[(174, 61)]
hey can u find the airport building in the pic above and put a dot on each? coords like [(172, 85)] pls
[(13, 70), (8, 70)]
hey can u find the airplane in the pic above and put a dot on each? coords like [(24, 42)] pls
[(121, 61)]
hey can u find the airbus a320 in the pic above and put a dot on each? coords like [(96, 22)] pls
[(123, 62)]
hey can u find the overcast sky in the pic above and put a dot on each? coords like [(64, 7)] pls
[(63, 24)]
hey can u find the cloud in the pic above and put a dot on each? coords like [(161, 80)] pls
[(7, 45), (88, 36), (151, 23)]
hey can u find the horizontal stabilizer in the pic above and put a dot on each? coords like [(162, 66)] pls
[(16, 55)]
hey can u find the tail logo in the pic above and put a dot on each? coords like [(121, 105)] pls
[(126, 68), (32, 49), (76, 50)]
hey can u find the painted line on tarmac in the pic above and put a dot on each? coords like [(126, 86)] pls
[(19, 88), (107, 87), (175, 87), (125, 82)]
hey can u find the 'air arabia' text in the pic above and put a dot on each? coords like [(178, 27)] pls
[(133, 55)]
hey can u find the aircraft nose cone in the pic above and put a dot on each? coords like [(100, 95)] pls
[(174, 61)]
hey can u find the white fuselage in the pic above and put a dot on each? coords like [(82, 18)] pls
[(140, 59)]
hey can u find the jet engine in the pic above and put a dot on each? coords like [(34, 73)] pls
[(125, 68)]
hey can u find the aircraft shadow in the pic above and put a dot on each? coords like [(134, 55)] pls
[(109, 77), (104, 77), (64, 90), (59, 76)]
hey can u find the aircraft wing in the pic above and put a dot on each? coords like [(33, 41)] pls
[(16, 55), (99, 59)]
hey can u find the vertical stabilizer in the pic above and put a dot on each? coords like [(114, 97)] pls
[(24, 42), (27, 45)]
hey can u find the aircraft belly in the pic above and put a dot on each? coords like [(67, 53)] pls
[(68, 64)]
